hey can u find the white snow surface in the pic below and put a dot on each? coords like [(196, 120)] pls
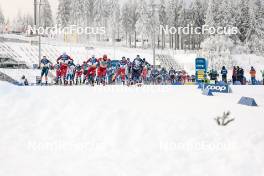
[(129, 131)]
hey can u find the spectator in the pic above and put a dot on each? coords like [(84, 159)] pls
[(234, 75), (262, 72), (213, 75), (240, 75), (253, 75), (224, 74), (24, 81)]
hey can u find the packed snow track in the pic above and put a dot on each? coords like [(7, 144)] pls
[(129, 131)]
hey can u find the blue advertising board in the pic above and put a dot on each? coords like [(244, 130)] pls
[(200, 69), (218, 88)]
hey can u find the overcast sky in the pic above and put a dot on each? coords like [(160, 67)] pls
[(10, 8)]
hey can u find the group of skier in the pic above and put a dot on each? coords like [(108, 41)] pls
[(104, 71)]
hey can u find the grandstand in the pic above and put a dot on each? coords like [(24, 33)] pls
[(7, 52), (19, 57), (167, 61), (15, 75), (30, 53)]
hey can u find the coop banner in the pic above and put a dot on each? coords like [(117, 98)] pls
[(217, 88)]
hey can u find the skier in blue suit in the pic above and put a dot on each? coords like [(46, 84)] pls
[(45, 66)]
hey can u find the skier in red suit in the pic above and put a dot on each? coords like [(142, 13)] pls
[(101, 71), (91, 72), (64, 59)]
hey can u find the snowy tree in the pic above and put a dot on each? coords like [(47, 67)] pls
[(225, 14), (114, 18), (198, 11), (259, 7), (126, 22), (142, 25), (255, 40), (17, 23), (28, 20), (134, 14), (2, 20), (212, 18), (176, 15), (77, 12), (163, 19), (64, 12), (218, 47), (154, 21), (198, 8), (218, 50), (46, 14), (101, 11), (244, 20), (22, 21), (170, 8), (89, 11), (130, 16)]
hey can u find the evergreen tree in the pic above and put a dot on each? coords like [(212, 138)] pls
[(244, 20), (101, 12), (154, 21), (173, 13), (198, 11), (18, 22), (225, 14), (89, 12), (46, 14), (218, 50), (64, 12), (130, 16), (255, 40), (28, 20), (134, 15), (114, 18), (2, 20), (77, 12), (163, 19), (142, 25), (218, 47), (212, 18), (126, 22)]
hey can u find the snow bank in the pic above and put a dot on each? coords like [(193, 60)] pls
[(121, 131)]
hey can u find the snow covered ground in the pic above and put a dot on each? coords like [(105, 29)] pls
[(129, 131)]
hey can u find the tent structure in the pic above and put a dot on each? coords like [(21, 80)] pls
[(247, 101)]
